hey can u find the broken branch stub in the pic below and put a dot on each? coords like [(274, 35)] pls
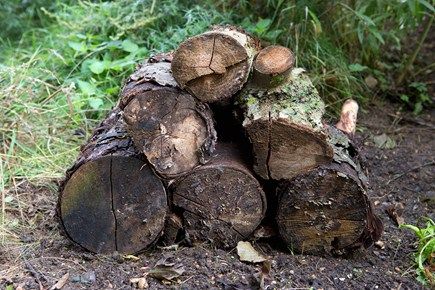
[(213, 66), (272, 66), (221, 202), (348, 116), (284, 124), (110, 199), (173, 129), (327, 210)]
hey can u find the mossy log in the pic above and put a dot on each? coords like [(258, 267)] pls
[(282, 116), (213, 66), (172, 128), (221, 202), (111, 200), (327, 210)]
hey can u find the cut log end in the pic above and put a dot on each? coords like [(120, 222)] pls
[(213, 66), (222, 203), (272, 66), (112, 204), (322, 212), (283, 150), (174, 131)]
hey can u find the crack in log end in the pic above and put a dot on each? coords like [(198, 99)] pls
[(212, 54), (269, 146), (225, 202), (113, 204), (214, 65)]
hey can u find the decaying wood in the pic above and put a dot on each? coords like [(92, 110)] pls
[(222, 202), (284, 124), (213, 66), (327, 210), (110, 199), (349, 112), (172, 129)]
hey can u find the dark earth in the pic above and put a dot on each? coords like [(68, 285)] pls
[(401, 181)]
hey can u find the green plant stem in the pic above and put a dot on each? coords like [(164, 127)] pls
[(416, 51)]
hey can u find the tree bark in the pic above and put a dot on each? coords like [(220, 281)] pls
[(327, 210), (213, 66), (110, 199), (173, 129), (221, 201), (283, 119)]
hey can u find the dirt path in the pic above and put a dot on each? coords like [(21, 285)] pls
[(399, 176)]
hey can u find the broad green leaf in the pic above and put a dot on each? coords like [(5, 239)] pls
[(356, 67), (95, 103), (427, 5), (77, 46), (87, 88), (129, 46), (262, 25), (97, 67), (8, 199)]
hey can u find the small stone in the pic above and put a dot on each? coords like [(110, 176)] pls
[(342, 279), (380, 245), (88, 277)]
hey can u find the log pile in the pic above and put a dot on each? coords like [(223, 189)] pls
[(209, 142)]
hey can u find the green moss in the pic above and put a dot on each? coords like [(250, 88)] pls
[(296, 100)]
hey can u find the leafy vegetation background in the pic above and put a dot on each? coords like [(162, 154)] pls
[(62, 63)]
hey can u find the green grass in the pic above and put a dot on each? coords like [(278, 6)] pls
[(62, 64)]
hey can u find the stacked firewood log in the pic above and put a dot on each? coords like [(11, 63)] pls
[(210, 142)]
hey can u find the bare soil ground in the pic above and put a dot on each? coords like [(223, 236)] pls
[(402, 177)]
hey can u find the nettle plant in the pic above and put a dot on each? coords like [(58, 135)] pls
[(425, 254)]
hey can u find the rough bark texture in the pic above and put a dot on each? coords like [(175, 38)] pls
[(327, 210), (213, 66), (110, 199), (172, 129), (285, 127), (222, 202)]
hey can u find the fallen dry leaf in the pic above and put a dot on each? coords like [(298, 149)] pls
[(62, 281), (166, 270), (247, 253), (131, 258), (139, 283), (395, 212)]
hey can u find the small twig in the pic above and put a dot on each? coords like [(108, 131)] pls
[(410, 170), (35, 273)]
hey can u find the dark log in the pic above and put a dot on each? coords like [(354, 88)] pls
[(172, 128), (327, 210), (110, 199), (282, 115), (221, 201), (213, 66)]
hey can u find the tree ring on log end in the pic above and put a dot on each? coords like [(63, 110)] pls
[(284, 149), (273, 60), (171, 128), (113, 203), (220, 204), (212, 66), (322, 212)]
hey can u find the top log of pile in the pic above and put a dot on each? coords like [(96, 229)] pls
[(215, 65), (322, 205), (282, 114)]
